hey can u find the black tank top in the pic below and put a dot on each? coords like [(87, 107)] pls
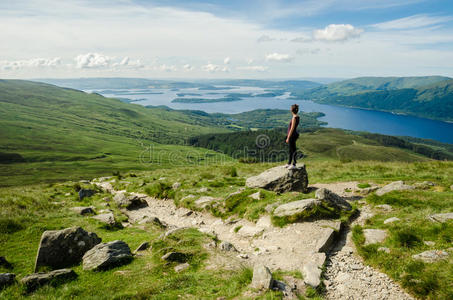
[(295, 133)]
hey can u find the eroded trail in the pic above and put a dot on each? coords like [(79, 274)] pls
[(287, 249)]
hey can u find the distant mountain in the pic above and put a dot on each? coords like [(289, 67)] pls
[(429, 97)]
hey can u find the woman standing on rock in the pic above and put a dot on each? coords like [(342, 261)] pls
[(292, 135)]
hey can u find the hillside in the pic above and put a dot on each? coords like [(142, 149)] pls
[(428, 97)]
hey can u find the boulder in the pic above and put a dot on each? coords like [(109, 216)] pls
[(373, 236), (142, 247), (83, 210), (391, 220), (129, 202), (107, 255), (106, 187), (262, 278), (295, 207), (431, 256), (394, 186), (441, 218), (424, 185), (175, 256), (256, 196), (181, 267), (227, 246), (35, 280), (385, 207), (312, 274), (7, 279), (107, 218), (84, 193), (62, 248), (332, 199), (281, 179), (204, 201), (152, 220)]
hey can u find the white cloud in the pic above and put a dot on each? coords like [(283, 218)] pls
[(227, 60), (415, 21), (92, 60), (279, 57), (30, 63), (253, 68), (305, 51), (188, 68), (250, 61), (301, 40), (265, 38), (211, 68), (337, 33), (126, 62), (167, 68)]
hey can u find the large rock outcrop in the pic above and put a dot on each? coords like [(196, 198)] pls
[(130, 202), (281, 179), (62, 248), (107, 255), (394, 186)]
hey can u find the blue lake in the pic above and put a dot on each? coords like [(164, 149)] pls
[(335, 116)]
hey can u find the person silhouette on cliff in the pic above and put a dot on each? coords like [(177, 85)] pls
[(292, 135)]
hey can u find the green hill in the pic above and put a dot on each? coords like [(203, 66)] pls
[(429, 97)]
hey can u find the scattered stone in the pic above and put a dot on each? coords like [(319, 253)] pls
[(429, 243), (250, 231), (83, 210), (142, 247), (171, 231), (270, 207), (176, 185), (129, 201), (373, 236), (451, 187), (394, 186), (7, 279), (107, 218), (152, 220), (312, 274), (62, 248), (243, 255), (204, 201), (262, 278), (295, 207), (106, 255), (281, 179), (227, 246), (431, 256), (203, 190), (256, 196), (4, 263), (35, 280), (175, 256), (181, 267), (84, 193), (384, 207), (333, 199), (442, 218), (106, 187), (384, 249), (424, 185), (391, 220), (369, 190), (67, 194), (240, 190)]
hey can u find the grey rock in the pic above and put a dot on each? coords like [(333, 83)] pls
[(281, 179), (181, 267), (35, 280), (250, 231), (369, 190), (152, 220), (312, 274), (7, 279), (83, 210), (188, 197), (270, 207), (129, 202), (175, 256), (429, 243), (176, 185), (256, 196), (451, 187), (431, 256), (172, 231), (384, 207), (333, 199), (384, 249), (295, 207), (107, 255), (107, 218), (203, 190), (394, 186), (142, 247), (424, 185), (204, 201), (227, 246), (441, 218), (373, 236), (391, 220), (84, 193), (262, 278), (62, 248)]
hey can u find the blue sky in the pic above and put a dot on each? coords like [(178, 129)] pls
[(226, 39)]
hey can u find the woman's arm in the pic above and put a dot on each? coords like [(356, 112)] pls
[(291, 130)]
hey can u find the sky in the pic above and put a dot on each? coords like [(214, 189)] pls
[(225, 39)]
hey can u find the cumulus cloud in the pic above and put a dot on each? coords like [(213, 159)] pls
[(227, 60), (126, 62), (92, 60), (265, 38), (337, 33), (188, 68), (30, 63), (279, 57), (211, 68), (167, 68), (253, 68)]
